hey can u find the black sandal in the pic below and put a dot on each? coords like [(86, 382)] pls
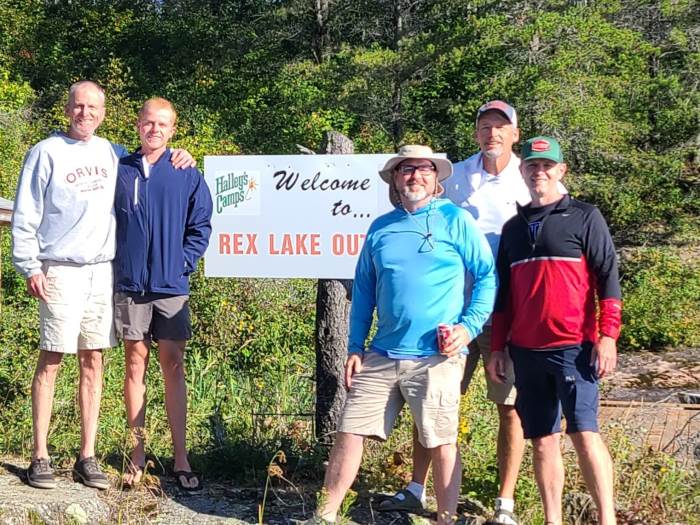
[(188, 475), (402, 501)]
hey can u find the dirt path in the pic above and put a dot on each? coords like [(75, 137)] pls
[(156, 502)]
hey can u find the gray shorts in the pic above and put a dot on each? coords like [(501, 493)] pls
[(152, 316)]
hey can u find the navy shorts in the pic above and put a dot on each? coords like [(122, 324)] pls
[(550, 382)]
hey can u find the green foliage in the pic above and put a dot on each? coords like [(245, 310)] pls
[(16, 98), (637, 214), (661, 294), (651, 486)]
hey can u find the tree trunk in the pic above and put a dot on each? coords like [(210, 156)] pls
[(321, 35), (332, 311), (396, 102)]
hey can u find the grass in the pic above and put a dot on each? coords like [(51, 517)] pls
[(651, 487), (233, 437)]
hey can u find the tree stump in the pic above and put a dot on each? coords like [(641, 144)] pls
[(332, 312)]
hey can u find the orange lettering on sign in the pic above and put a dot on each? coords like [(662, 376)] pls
[(224, 244), (294, 244), (238, 244), (347, 244)]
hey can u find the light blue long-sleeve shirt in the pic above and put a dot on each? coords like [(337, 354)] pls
[(412, 269)]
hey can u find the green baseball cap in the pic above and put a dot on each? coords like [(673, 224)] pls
[(542, 148)]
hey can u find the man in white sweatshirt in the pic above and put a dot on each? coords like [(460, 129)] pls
[(63, 234)]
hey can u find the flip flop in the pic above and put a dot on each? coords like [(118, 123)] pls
[(134, 470), (402, 501), (188, 475)]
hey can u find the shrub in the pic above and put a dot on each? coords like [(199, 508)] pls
[(661, 298)]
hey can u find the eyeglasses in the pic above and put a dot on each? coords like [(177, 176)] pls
[(425, 169)]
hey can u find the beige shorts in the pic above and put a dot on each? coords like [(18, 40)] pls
[(499, 393), (78, 312), (430, 386)]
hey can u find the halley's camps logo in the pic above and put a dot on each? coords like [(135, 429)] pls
[(237, 192)]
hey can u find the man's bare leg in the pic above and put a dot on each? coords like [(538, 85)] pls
[(596, 467), (136, 364), (89, 398), (343, 464), (421, 460), (509, 449), (447, 475), (42, 400), (172, 362), (549, 473)]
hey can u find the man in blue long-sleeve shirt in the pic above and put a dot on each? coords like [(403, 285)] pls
[(412, 271)]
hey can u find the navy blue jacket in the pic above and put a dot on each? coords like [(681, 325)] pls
[(163, 226)]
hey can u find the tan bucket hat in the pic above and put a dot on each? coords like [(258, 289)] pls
[(413, 151)]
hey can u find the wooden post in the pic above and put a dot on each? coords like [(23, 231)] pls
[(6, 208), (332, 312)]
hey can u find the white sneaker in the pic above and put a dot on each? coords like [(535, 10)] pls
[(503, 517)]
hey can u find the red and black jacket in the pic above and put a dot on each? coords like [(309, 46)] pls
[(550, 279)]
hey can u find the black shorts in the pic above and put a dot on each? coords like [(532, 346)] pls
[(550, 382)]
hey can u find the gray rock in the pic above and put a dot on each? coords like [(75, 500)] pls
[(69, 502), (76, 513)]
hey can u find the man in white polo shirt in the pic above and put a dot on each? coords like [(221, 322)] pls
[(488, 185)]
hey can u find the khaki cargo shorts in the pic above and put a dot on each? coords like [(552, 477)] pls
[(499, 393), (430, 387), (78, 313)]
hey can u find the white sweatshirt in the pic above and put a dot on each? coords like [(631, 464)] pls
[(64, 204)]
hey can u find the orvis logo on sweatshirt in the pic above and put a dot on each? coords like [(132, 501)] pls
[(88, 178), (237, 193)]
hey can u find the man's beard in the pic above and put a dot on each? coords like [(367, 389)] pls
[(414, 196), (494, 153)]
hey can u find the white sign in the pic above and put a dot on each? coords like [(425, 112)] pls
[(292, 215)]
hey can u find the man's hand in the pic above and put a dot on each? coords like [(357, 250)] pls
[(181, 158), (36, 286), (604, 356), (496, 367), (352, 366), (459, 338)]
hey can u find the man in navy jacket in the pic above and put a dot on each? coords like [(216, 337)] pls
[(163, 228)]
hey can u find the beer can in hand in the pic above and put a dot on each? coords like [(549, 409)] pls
[(443, 333)]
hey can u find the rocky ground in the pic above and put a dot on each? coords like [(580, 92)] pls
[(653, 378), (158, 501)]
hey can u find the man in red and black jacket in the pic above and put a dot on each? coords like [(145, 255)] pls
[(559, 312)]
